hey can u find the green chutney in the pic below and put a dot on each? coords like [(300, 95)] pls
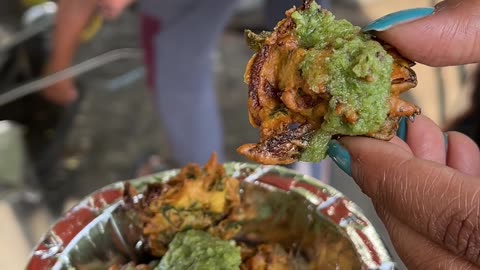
[(357, 72), (198, 250)]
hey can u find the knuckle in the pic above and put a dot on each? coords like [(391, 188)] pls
[(457, 228), (462, 236), (456, 233)]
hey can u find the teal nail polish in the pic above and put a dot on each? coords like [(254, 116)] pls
[(402, 129), (445, 141), (397, 18), (340, 156)]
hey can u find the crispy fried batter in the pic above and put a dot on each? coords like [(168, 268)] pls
[(209, 200), (272, 257), (205, 199), (288, 111), (196, 198)]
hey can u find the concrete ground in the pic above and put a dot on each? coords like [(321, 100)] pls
[(117, 125)]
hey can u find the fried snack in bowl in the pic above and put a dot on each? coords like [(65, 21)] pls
[(231, 216)]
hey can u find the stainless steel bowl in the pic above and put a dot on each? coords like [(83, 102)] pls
[(297, 210)]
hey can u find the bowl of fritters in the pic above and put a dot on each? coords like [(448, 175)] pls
[(219, 216)]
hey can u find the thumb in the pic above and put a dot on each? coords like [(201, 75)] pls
[(448, 37)]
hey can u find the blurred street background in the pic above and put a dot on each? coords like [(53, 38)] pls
[(114, 127)]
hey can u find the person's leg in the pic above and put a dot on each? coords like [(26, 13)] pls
[(72, 17), (184, 87)]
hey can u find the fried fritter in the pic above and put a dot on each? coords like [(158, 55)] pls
[(199, 202), (273, 257), (196, 198), (314, 78)]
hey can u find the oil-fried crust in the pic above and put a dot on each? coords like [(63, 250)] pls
[(289, 117), (280, 149)]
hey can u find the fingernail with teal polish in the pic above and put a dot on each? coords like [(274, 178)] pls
[(445, 141), (397, 18), (340, 156), (402, 129)]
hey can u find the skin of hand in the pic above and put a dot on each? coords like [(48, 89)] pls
[(72, 18), (111, 9), (426, 189), (448, 37), (427, 196)]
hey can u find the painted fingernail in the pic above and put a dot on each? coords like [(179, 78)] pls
[(402, 129), (397, 18), (340, 156), (445, 141)]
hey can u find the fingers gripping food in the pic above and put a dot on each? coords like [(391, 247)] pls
[(314, 78)]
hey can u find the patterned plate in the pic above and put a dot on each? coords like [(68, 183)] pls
[(300, 210)]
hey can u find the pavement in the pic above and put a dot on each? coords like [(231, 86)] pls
[(117, 126)]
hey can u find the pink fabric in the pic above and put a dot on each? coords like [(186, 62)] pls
[(149, 27)]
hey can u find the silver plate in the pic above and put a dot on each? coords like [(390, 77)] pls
[(302, 212)]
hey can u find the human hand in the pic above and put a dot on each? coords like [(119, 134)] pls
[(111, 9), (427, 189), (427, 196), (449, 36)]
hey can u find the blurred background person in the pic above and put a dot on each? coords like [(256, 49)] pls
[(72, 18), (179, 38)]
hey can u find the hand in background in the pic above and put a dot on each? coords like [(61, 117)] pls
[(112, 9)]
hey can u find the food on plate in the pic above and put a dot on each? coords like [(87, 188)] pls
[(196, 198), (129, 266), (315, 78), (202, 250), (201, 219)]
